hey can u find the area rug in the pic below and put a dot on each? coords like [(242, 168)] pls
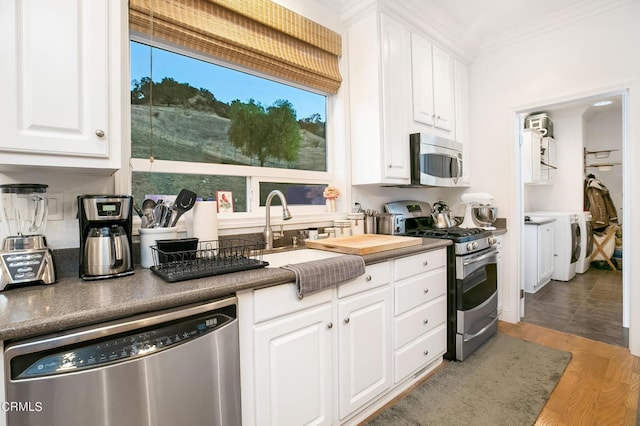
[(506, 381)]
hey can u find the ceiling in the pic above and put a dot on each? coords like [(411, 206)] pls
[(488, 19)]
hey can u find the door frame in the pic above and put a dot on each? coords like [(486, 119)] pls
[(519, 114)]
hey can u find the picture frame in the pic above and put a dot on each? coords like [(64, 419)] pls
[(225, 201)]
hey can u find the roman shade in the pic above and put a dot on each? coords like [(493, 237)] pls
[(257, 34)]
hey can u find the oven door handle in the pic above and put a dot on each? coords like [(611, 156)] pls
[(480, 258), (485, 328)]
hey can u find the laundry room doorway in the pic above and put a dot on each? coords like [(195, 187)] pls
[(562, 148)]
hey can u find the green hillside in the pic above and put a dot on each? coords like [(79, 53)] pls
[(183, 134)]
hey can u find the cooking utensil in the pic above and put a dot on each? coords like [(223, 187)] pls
[(147, 209), (183, 203), (137, 209)]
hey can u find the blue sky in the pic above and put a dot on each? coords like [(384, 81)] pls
[(225, 84)]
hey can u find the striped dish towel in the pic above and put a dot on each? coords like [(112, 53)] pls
[(320, 274)]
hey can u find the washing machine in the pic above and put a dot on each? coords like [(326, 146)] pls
[(586, 242), (567, 242)]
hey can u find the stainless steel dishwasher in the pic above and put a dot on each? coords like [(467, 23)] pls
[(174, 367)]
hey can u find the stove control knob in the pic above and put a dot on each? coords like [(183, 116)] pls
[(492, 240), (472, 246)]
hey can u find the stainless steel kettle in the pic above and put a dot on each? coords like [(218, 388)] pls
[(106, 251), (441, 215)]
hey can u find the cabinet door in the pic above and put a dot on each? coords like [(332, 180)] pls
[(395, 94), (364, 342), (54, 72), (443, 90), (293, 369), (545, 252), (422, 80), (531, 144)]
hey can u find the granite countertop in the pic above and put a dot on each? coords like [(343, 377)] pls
[(73, 302)]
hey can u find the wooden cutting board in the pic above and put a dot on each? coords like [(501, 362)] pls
[(363, 244)]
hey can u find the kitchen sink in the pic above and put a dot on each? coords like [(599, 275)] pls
[(282, 258)]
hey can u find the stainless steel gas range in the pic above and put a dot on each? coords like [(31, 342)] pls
[(472, 283)]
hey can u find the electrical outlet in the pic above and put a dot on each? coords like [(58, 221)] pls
[(56, 206)]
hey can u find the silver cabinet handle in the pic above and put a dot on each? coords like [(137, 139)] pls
[(100, 133), (425, 263), (426, 290), (346, 320), (330, 325), (426, 321), (426, 353), (368, 278)]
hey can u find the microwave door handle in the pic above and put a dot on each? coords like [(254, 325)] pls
[(455, 175)]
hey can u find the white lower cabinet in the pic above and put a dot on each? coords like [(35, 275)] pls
[(364, 339), (420, 309), (539, 253), (336, 356), (293, 369)]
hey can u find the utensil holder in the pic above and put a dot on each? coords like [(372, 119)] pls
[(148, 238)]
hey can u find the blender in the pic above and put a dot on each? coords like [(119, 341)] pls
[(24, 258)]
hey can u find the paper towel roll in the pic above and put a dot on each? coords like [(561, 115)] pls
[(204, 222)]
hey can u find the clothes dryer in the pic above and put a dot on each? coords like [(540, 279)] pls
[(566, 243), (586, 242)]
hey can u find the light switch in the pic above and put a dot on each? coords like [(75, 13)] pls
[(56, 206)]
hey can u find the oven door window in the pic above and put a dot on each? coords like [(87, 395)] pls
[(477, 287)]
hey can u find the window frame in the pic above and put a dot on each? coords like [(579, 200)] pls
[(255, 217)]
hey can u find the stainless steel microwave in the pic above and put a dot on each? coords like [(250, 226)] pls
[(435, 161)]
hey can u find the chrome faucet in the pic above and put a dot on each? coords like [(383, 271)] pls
[(286, 215)]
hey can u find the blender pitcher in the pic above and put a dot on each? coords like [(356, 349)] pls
[(25, 257), (24, 209)]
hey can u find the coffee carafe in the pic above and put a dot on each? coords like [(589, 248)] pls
[(105, 236)]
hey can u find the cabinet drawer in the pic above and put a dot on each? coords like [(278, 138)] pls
[(418, 263), (419, 289), (272, 302), (419, 321), (374, 276), (420, 353)]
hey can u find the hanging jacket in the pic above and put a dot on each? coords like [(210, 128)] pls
[(599, 203)]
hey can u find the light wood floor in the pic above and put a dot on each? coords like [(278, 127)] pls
[(600, 385)]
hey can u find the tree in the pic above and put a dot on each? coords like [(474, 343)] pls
[(260, 133)]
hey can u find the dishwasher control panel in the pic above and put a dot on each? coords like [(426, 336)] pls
[(115, 348)]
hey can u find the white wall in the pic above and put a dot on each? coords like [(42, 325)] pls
[(604, 131), (583, 58)]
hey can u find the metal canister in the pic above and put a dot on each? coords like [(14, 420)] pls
[(343, 227), (370, 224), (357, 223)]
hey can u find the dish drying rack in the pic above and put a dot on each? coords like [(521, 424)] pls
[(213, 257)]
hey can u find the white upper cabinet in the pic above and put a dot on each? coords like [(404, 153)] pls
[(538, 158), (379, 90), (432, 86), (399, 83), (62, 80)]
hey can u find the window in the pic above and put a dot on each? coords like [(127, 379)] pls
[(202, 126)]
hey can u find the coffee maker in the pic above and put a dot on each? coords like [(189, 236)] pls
[(105, 236), (24, 258)]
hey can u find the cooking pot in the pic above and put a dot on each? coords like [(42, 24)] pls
[(441, 215)]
